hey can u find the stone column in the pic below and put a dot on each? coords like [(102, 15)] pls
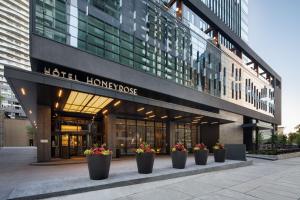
[(43, 136), (170, 139), (110, 132)]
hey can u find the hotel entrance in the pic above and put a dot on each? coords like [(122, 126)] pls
[(71, 136)]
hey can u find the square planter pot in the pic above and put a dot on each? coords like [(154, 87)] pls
[(99, 166), (179, 159), (145, 162), (220, 155), (201, 157)]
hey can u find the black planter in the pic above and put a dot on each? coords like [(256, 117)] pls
[(201, 157), (179, 159), (98, 166), (145, 162), (219, 155)]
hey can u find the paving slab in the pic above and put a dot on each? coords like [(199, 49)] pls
[(70, 185)]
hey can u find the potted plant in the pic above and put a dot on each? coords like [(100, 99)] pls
[(179, 156), (98, 159), (145, 158), (200, 154), (219, 152)]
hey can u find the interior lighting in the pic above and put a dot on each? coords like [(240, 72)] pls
[(23, 91), (60, 93), (117, 103), (140, 109), (104, 111), (85, 103), (149, 112)]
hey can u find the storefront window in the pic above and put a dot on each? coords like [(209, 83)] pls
[(131, 133)]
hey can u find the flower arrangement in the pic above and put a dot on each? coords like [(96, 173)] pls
[(200, 146), (218, 146), (96, 150), (178, 147), (144, 148)]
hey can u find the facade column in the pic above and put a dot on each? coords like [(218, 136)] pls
[(170, 139), (43, 135), (110, 132)]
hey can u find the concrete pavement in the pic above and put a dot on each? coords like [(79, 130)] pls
[(20, 179), (269, 180), (263, 180)]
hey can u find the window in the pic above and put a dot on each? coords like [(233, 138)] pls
[(232, 70)]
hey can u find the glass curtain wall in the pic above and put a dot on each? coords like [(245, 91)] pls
[(185, 133), (131, 133), (141, 35)]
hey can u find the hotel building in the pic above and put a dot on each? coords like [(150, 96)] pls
[(125, 72)]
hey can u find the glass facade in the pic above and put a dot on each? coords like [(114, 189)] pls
[(141, 35), (131, 133)]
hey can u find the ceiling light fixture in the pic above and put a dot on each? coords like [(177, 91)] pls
[(59, 93), (104, 111), (177, 117), (199, 117), (23, 91), (149, 112), (56, 105), (151, 116), (117, 103), (164, 117), (140, 109)]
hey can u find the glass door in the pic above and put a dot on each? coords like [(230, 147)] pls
[(64, 148), (131, 142), (73, 145)]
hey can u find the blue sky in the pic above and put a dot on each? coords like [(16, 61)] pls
[(274, 33)]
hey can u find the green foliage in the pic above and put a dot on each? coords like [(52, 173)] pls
[(259, 138), (282, 139), (294, 138), (30, 131)]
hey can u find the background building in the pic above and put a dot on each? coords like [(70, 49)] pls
[(14, 49)]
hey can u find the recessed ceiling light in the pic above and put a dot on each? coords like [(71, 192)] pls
[(104, 111), (151, 116), (59, 93), (164, 117), (199, 117), (56, 105), (23, 91), (117, 103), (177, 117), (149, 112), (140, 109)]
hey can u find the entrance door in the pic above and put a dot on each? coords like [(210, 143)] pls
[(72, 145)]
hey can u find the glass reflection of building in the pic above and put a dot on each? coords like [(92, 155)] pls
[(151, 40), (147, 36)]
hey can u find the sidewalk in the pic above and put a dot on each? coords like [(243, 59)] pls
[(18, 178), (267, 180)]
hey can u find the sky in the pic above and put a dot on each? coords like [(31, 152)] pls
[(274, 33)]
